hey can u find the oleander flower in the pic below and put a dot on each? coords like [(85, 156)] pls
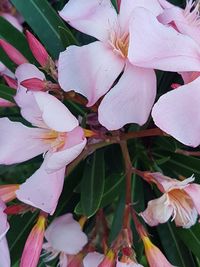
[(56, 131), (180, 200), (65, 239), (92, 259), (91, 70)]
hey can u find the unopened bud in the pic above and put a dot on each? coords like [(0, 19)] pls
[(33, 246), (109, 259), (37, 49), (10, 81), (7, 192), (34, 84), (18, 209), (13, 53), (175, 85)]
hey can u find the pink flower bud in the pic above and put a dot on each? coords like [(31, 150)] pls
[(10, 81), (7, 192), (109, 260), (175, 85), (13, 53), (33, 246), (34, 84), (37, 49), (18, 209), (118, 4)]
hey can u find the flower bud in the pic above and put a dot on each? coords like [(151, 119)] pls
[(7, 192), (109, 260), (175, 85), (13, 53), (10, 81), (34, 84), (37, 49), (33, 246)]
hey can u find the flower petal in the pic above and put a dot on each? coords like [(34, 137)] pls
[(4, 226), (58, 160), (6, 103), (25, 100), (19, 143), (4, 253), (130, 264), (166, 50), (92, 259), (64, 226), (89, 70), (54, 113), (193, 190), (42, 190), (178, 114), (93, 17), (13, 21), (127, 7), (129, 104), (158, 211)]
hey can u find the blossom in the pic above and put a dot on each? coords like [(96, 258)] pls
[(56, 131), (92, 259), (131, 98), (128, 264), (33, 246), (180, 200), (4, 226), (57, 243)]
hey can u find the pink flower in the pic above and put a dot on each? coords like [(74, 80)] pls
[(178, 113), (154, 256), (33, 246), (4, 226), (92, 259), (64, 238), (13, 20), (92, 70), (56, 131), (128, 264), (180, 200)]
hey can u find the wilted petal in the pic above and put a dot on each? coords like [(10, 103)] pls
[(92, 259), (166, 50), (127, 7), (19, 143), (193, 190), (131, 100), (178, 114), (93, 17), (42, 190), (158, 211), (58, 160), (4, 253), (62, 227), (89, 70), (54, 113)]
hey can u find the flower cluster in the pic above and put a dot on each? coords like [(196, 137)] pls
[(114, 77)]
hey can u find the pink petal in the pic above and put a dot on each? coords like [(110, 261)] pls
[(158, 211), (92, 259), (54, 113), (193, 190), (25, 100), (19, 143), (166, 50), (129, 104), (93, 17), (42, 190), (131, 264), (4, 226), (178, 114), (5, 71), (62, 227), (183, 22), (13, 21), (128, 6), (165, 4), (186, 216), (4, 253), (89, 70), (6, 103), (58, 160)]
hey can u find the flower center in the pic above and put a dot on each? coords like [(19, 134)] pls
[(191, 13), (120, 43), (55, 139)]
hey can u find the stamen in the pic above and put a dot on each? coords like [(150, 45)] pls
[(120, 43)]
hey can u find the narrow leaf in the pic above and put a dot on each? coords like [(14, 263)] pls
[(7, 93)]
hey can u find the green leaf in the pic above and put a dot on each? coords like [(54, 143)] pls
[(7, 93), (191, 238), (92, 184), (44, 21), (67, 37)]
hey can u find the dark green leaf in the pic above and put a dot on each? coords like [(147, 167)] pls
[(67, 37), (92, 185), (7, 93)]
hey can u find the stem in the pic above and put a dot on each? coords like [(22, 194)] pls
[(188, 153), (128, 172), (143, 133)]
